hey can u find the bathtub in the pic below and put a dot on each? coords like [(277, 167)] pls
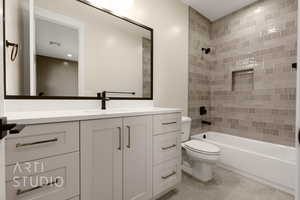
[(268, 163)]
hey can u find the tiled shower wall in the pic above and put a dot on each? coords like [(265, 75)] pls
[(262, 37)]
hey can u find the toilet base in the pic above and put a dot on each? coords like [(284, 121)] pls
[(199, 170), (202, 171)]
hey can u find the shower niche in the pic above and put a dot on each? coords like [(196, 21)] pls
[(243, 80)]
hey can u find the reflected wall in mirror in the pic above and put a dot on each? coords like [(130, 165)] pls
[(70, 49)]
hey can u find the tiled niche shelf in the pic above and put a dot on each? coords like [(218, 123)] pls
[(243, 80)]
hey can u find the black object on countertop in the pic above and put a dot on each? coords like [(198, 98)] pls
[(104, 98), (6, 128)]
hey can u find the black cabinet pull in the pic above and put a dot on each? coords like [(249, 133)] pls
[(168, 176), (169, 147), (36, 143), (20, 192), (169, 123), (129, 137), (299, 136), (120, 138)]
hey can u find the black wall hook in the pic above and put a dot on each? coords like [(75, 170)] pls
[(14, 51)]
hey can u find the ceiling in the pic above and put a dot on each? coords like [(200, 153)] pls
[(65, 40), (216, 9)]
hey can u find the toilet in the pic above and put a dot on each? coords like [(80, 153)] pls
[(200, 156)]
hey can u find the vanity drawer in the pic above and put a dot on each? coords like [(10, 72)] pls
[(40, 141), (166, 176), (46, 179), (167, 123), (166, 147)]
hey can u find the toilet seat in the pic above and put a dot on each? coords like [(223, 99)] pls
[(202, 147)]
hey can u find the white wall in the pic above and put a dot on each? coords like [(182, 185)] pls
[(169, 19), (2, 144), (14, 34), (115, 64)]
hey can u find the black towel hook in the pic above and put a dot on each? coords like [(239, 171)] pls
[(15, 50)]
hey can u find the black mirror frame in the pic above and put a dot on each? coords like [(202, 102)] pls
[(79, 97)]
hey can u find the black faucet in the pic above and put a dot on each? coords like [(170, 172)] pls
[(104, 98), (206, 122)]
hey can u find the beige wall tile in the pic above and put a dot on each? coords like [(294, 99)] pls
[(262, 37)]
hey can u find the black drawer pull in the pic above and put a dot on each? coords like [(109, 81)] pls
[(36, 143), (170, 147), (20, 192), (129, 137), (168, 176), (120, 138), (169, 123)]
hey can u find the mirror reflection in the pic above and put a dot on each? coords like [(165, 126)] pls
[(62, 53)]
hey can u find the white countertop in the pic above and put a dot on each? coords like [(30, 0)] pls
[(38, 117)]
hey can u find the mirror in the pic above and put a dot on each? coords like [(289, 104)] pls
[(73, 49)]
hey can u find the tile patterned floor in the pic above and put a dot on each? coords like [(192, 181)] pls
[(226, 186)]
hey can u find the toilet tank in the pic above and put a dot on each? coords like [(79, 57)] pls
[(186, 123)]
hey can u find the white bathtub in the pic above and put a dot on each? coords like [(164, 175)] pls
[(265, 162)]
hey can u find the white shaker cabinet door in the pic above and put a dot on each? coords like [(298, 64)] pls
[(101, 159), (137, 158)]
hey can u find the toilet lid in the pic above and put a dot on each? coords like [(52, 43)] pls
[(200, 146)]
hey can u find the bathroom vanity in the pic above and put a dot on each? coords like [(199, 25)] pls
[(118, 154)]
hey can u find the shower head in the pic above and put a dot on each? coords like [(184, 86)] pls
[(206, 50)]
